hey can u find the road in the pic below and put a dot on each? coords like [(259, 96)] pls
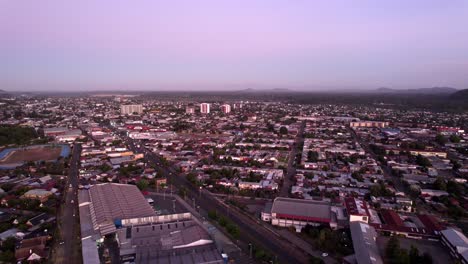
[(291, 170), (250, 231), (67, 249)]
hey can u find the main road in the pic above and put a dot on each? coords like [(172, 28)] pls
[(250, 231), (67, 250), (291, 170)]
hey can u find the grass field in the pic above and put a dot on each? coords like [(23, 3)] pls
[(32, 154)]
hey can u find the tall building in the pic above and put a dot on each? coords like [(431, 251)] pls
[(190, 110), (130, 109), (226, 108), (204, 108)]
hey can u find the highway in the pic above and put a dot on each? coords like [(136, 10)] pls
[(67, 249), (250, 230)]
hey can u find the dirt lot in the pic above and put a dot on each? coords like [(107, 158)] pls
[(438, 252), (32, 154)]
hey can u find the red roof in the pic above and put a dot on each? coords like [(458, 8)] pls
[(391, 218), (430, 222)]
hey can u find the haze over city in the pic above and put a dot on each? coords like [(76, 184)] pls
[(53, 45)]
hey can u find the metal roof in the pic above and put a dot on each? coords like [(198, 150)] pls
[(364, 243), (301, 208), (111, 201)]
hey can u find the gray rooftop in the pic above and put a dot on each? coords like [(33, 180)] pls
[(174, 242), (364, 243), (300, 207), (111, 201)]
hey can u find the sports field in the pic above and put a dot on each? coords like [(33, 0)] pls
[(39, 153)]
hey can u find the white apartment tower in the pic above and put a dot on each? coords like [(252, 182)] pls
[(225, 108), (204, 108), (130, 109)]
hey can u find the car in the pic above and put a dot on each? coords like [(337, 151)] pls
[(62, 242), (324, 254)]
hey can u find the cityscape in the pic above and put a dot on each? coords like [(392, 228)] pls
[(127, 178), (240, 132)]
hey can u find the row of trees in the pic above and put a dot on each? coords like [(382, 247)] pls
[(16, 135), (397, 255)]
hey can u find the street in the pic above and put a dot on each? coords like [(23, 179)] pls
[(291, 170), (67, 247)]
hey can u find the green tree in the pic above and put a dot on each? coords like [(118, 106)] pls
[(441, 139), (142, 184), (455, 139), (439, 184), (283, 130)]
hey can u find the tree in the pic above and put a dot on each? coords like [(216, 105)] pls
[(392, 250), (142, 184), (423, 161), (441, 139), (312, 156), (455, 139), (439, 184), (283, 130), (414, 255)]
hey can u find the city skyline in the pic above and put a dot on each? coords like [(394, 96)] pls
[(227, 45)]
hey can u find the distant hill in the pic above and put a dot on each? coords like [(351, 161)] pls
[(273, 90), (460, 95), (433, 90)]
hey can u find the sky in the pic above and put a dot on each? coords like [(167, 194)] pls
[(224, 45)]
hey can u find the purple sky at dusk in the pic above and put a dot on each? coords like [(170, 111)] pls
[(238, 44)]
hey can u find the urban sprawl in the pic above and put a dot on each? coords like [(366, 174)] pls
[(134, 179)]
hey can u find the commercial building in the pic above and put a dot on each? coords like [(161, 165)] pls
[(369, 124), (225, 108), (457, 243), (171, 241), (298, 213), (130, 109), (364, 243), (357, 210), (204, 108), (122, 211)]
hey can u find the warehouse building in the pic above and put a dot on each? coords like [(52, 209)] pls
[(298, 213), (121, 210)]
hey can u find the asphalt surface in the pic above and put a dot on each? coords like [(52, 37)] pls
[(67, 249), (250, 230), (291, 170)]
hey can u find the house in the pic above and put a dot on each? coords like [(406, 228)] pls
[(38, 194), (39, 219), (33, 249)]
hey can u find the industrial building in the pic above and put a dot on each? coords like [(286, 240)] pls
[(121, 210), (364, 243), (298, 213)]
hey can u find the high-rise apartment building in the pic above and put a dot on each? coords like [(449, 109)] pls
[(130, 109), (225, 108), (204, 108)]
